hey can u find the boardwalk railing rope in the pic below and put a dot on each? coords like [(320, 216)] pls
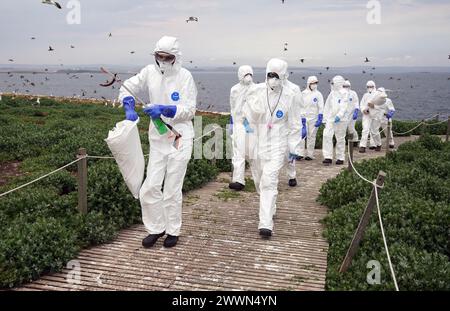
[(375, 191), (81, 158), (39, 178)]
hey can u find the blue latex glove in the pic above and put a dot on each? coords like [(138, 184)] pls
[(231, 125), (355, 114), (154, 111), (390, 114), (292, 157), (337, 119), (128, 105), (168, 111), (304, 131), (319, 120), (248, 129)]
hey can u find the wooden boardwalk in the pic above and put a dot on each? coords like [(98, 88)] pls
[(220, 248)]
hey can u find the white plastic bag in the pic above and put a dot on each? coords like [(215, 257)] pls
[(125, 145)]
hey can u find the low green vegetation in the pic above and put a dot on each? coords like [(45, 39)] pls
[(41, 227), (415, 204)]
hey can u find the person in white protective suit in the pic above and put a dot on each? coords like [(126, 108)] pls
[(353, 102), (272, 113), (238, 96), (371, 117), (384, 115), (313, 111), (336, 115), (290, 164), (173, 96)]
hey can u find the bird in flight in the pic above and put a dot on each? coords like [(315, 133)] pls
[(367, 60), (192, 19), (302, 60), (132, 52), (72, 47), (50, 49), (110, 35), (51, 2)]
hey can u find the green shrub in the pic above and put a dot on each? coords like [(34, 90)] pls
[(415, 204)]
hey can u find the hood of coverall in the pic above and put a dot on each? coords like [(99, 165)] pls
[(372, 83), (243, 71), (279, 67), (338, 83), (348, 84), (311, 79), (169, 45)]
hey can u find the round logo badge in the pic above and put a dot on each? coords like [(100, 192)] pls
[(339, 101), (315, 100), (175, 96), (350, 99), (279, 114)]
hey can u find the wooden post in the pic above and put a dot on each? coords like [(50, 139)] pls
[(350, 146), (362, 225), (388, 137), (448, 130), (422, 128), (82, 181)]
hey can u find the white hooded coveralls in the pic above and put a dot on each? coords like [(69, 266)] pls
[(369, 123), (353, 102), (314, 104), (240, 141), (336, 105), (161, 210), (272, 143), (290, 165)]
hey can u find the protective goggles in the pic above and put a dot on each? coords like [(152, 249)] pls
[(347, 86), (164, 57), (314, 83), (272, 75)]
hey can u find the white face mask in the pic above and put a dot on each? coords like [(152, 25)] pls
[(165, 66), (247, 79), (370, 89), (313, 87), (274, 83)]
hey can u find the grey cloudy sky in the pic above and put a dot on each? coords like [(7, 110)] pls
[(411, 33)]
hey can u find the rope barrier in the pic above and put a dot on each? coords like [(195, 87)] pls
[(384, 238), (407, 132), (375, 187), (86, 156), (39, 178)]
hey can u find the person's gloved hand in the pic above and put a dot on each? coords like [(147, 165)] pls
[(304, 131), (390, 114), (292, 156), (248, 129), (128, 105), (153, 111), (319, 120), (337, 120), (355, 114), (231, 125), (168, 111)]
